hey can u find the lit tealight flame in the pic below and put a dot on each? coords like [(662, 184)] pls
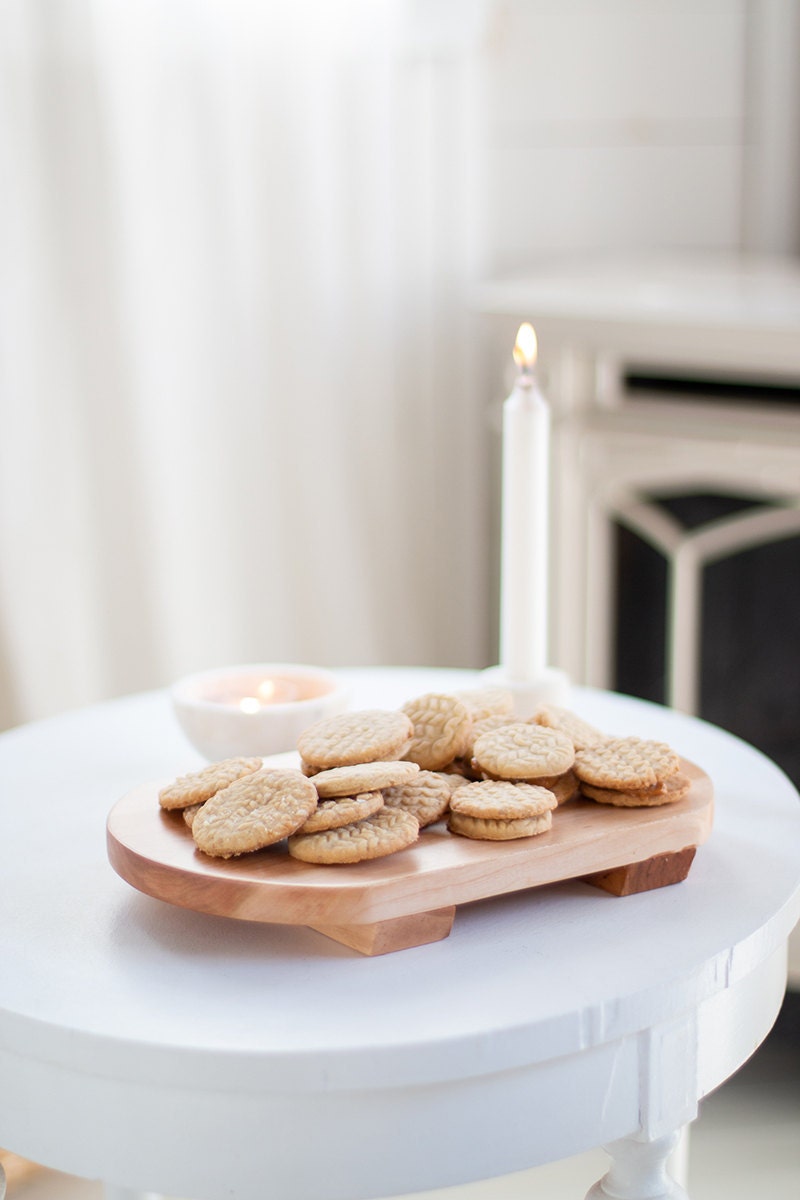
[(525, 347), (265, 694)]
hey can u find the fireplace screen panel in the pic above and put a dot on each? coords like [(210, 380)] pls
[(748, 640)]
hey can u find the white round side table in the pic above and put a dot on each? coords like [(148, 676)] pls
[(164, 1050)]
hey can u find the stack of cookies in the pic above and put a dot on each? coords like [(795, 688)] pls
[(630, 772), (350, 760), (368, 781), (527, 753), (498, 811)]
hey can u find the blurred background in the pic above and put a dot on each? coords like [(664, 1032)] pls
[(250, 379)]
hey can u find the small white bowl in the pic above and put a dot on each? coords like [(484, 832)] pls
[(210, 711)]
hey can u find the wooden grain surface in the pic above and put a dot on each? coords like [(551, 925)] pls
[(153, 850)]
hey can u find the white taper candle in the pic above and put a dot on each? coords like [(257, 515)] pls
[(525, 521)]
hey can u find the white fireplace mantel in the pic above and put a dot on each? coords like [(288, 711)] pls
[(727, 313)]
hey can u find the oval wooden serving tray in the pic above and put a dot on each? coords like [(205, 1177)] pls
[(407, 898)]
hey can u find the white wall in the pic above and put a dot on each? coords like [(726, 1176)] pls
[(641, 124)]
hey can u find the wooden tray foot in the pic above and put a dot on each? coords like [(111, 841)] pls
[(655, 872), (398, 933)]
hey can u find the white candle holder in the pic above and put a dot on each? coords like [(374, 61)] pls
[(551, 686), (254, 710)]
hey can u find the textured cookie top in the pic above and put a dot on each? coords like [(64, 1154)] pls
[(488, 725), (498, 800), (523, 752), (442, 729), (389, 830), (197, 786), (580, 732), (427, 796), (254, 812), (331, 814), (355, 737), (625, 763), (363, 777)]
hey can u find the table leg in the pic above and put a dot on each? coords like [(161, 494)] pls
[(678, 1162), (638, 1171)]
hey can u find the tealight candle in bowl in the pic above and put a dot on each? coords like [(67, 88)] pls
[(255, 710)]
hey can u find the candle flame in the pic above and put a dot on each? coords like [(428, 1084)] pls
[(249, 704), (525, 347), (266, 691)]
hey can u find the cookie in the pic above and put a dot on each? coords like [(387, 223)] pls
[(487, 725), (490, 830), (626, 764), (673, 789), (580, 732), (453, 779), (331, 814), (355, 737), (523, 751), (254, 812), (566, 787), (485, 702), (442, 727), (462, 767), (389, 830), (197, 786), (363, 777), (427, 796), (190, 813), (546, 781), (502, 801)]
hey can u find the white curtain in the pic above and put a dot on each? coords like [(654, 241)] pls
[(239, 418)]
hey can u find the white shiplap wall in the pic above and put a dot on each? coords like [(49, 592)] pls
[(639, 124)]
